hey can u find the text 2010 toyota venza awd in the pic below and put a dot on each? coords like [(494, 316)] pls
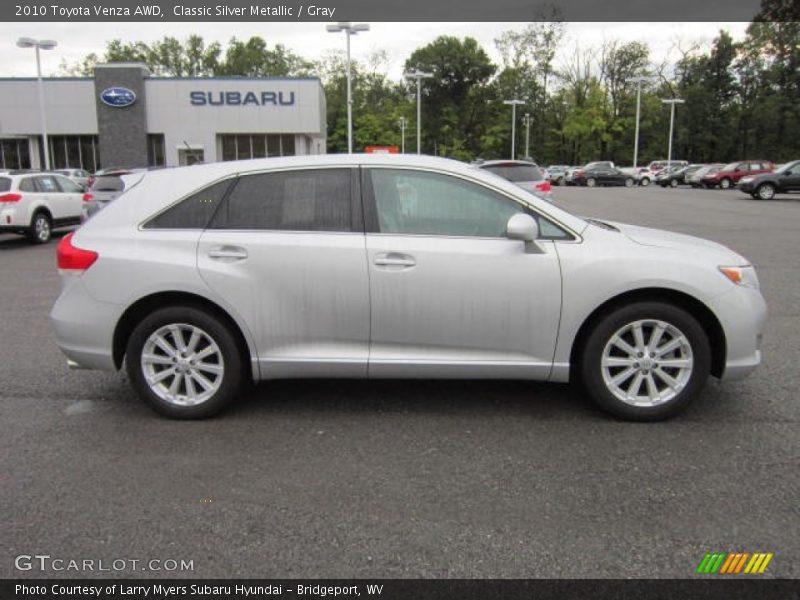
[(200, 278)]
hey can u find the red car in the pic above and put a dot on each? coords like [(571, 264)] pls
[(729, 175)]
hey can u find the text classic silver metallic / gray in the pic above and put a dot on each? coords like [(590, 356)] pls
[(199, 278)]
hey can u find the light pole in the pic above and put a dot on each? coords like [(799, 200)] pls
[(349, 29), (672, 102), (26, 42), (514, 104), (403, 122), (419, 76), (638, 81), (527, 121)]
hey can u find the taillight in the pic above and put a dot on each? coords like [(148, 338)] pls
[(579, 173), (70, 258), (11, 197), (87, 197), (544, 186)]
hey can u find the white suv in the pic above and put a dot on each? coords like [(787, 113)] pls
[(33, 204)]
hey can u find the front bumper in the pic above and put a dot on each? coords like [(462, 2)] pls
[(743, 315)]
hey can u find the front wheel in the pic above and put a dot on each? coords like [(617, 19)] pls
[(725, 184), (673, 183), (591, 182), (766, 191), (646, 361), (644, 181), (184, 362), (629, 182)]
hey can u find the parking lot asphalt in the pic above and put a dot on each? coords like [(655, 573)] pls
[(409, 479)]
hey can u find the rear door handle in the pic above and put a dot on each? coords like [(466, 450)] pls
[(394, 259), (227, 253)]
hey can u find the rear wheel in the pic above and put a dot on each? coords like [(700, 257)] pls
[(184, 362), (591, 182), (41, 229), (628, 182), (766, 191), (646, 361), (673, 183), (725, 183), (644, 181)]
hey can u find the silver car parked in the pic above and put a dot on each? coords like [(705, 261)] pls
[(200, 278)]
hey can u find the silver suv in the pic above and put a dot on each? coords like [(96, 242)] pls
[(200, 278)]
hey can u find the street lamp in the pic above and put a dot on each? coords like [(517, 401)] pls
[(419, 76), (672, 102), (638, 81), (403, 121), (514, 104), (349, 29), (527, 120), (26, 42)]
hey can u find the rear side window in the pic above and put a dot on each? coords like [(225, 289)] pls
[(47, 184), (194, 212), (110, 183), (26, 185), (305, 200), (5, 184)]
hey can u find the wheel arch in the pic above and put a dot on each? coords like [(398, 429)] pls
[(147, 304), (707, 319)]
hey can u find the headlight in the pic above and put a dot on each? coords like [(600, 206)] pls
[(744, 275)]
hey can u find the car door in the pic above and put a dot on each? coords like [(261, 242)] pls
[(50, 194), (450, 294), (287, 249), (71, 197), (790, 180)]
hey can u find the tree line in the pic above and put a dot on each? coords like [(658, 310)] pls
[(742, 99)]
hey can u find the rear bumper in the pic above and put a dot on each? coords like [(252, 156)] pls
[(84, 327)]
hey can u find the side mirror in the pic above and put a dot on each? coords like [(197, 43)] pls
[(522, 227)]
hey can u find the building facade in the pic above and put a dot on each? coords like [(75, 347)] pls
[(124, 117)]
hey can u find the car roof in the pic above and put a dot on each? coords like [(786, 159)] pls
[(507, 163)]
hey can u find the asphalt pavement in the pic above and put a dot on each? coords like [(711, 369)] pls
[(408, 478)]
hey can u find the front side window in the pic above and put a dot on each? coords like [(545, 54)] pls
[(68, 186), (194, 212), (421, 203), (302, 200)]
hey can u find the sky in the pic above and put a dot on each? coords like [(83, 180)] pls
[(76, 40)]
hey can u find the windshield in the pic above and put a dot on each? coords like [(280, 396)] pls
[(786, 167), (730, 167), (516, 172), (110, 183)]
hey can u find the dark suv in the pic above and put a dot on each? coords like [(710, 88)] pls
[(730, 174), (765, 186)]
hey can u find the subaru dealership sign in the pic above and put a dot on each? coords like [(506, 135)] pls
[(118, 96)]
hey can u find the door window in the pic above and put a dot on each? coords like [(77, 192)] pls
[(47, 184), (302, 200), (68, 186), (421, 203)]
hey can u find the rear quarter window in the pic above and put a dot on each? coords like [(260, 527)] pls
[(194, 212), (5, 184)]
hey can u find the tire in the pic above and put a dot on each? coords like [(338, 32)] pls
[(629, 182), (560, 181), (725, 184), (41, 229), (591, 182), (199, 392), (673, 183), (623, 399), (766, 191), (644, 181)]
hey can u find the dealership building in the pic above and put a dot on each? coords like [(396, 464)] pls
[(124, 117)]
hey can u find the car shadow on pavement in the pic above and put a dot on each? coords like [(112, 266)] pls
[(510, 398)]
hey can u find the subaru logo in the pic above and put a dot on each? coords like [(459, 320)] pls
[(118, 96)]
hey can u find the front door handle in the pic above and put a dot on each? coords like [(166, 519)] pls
[(227, 253), (394, 259)]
